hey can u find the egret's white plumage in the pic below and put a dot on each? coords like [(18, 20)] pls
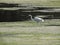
[(37, 19)]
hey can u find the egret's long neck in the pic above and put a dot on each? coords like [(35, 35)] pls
[(32, 18)]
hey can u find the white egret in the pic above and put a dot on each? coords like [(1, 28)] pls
[(37, 19)]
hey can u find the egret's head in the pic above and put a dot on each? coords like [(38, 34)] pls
[(30, 15)]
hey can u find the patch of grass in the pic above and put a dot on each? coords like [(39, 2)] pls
[(35, 2), (30, 33), (56, 22)]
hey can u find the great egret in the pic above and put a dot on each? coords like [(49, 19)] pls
[(37, 19)]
